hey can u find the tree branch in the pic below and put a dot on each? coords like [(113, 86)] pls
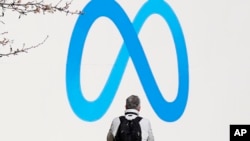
[(35, 7), (24, 8), (24, 49)]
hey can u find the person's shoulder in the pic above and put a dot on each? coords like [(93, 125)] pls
[(145, 120), (116, 120)]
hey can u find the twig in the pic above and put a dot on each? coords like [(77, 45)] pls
[(36, 7), (24, 49)]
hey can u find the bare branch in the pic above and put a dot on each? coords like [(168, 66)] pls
[(35, 7), (23, 49), (25, 8)]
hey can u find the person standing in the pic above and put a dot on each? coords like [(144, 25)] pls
[(121, 128)]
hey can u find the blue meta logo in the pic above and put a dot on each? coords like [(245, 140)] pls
[(93, 110)]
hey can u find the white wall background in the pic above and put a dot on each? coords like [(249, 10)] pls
[(33, 99)]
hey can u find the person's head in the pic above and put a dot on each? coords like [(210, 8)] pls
[(133, 102)]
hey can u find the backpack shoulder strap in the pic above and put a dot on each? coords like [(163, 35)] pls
[(122, 118), (138, 119)]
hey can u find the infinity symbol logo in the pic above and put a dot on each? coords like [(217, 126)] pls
[(94, 110)]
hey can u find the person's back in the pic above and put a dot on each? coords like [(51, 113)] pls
[(140, 130), (129, 130)]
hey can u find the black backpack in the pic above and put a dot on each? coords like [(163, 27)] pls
[(129, 130)]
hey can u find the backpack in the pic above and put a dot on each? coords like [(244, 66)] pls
[(129, 130)]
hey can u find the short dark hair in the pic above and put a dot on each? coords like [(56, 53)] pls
[(132, 102)]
